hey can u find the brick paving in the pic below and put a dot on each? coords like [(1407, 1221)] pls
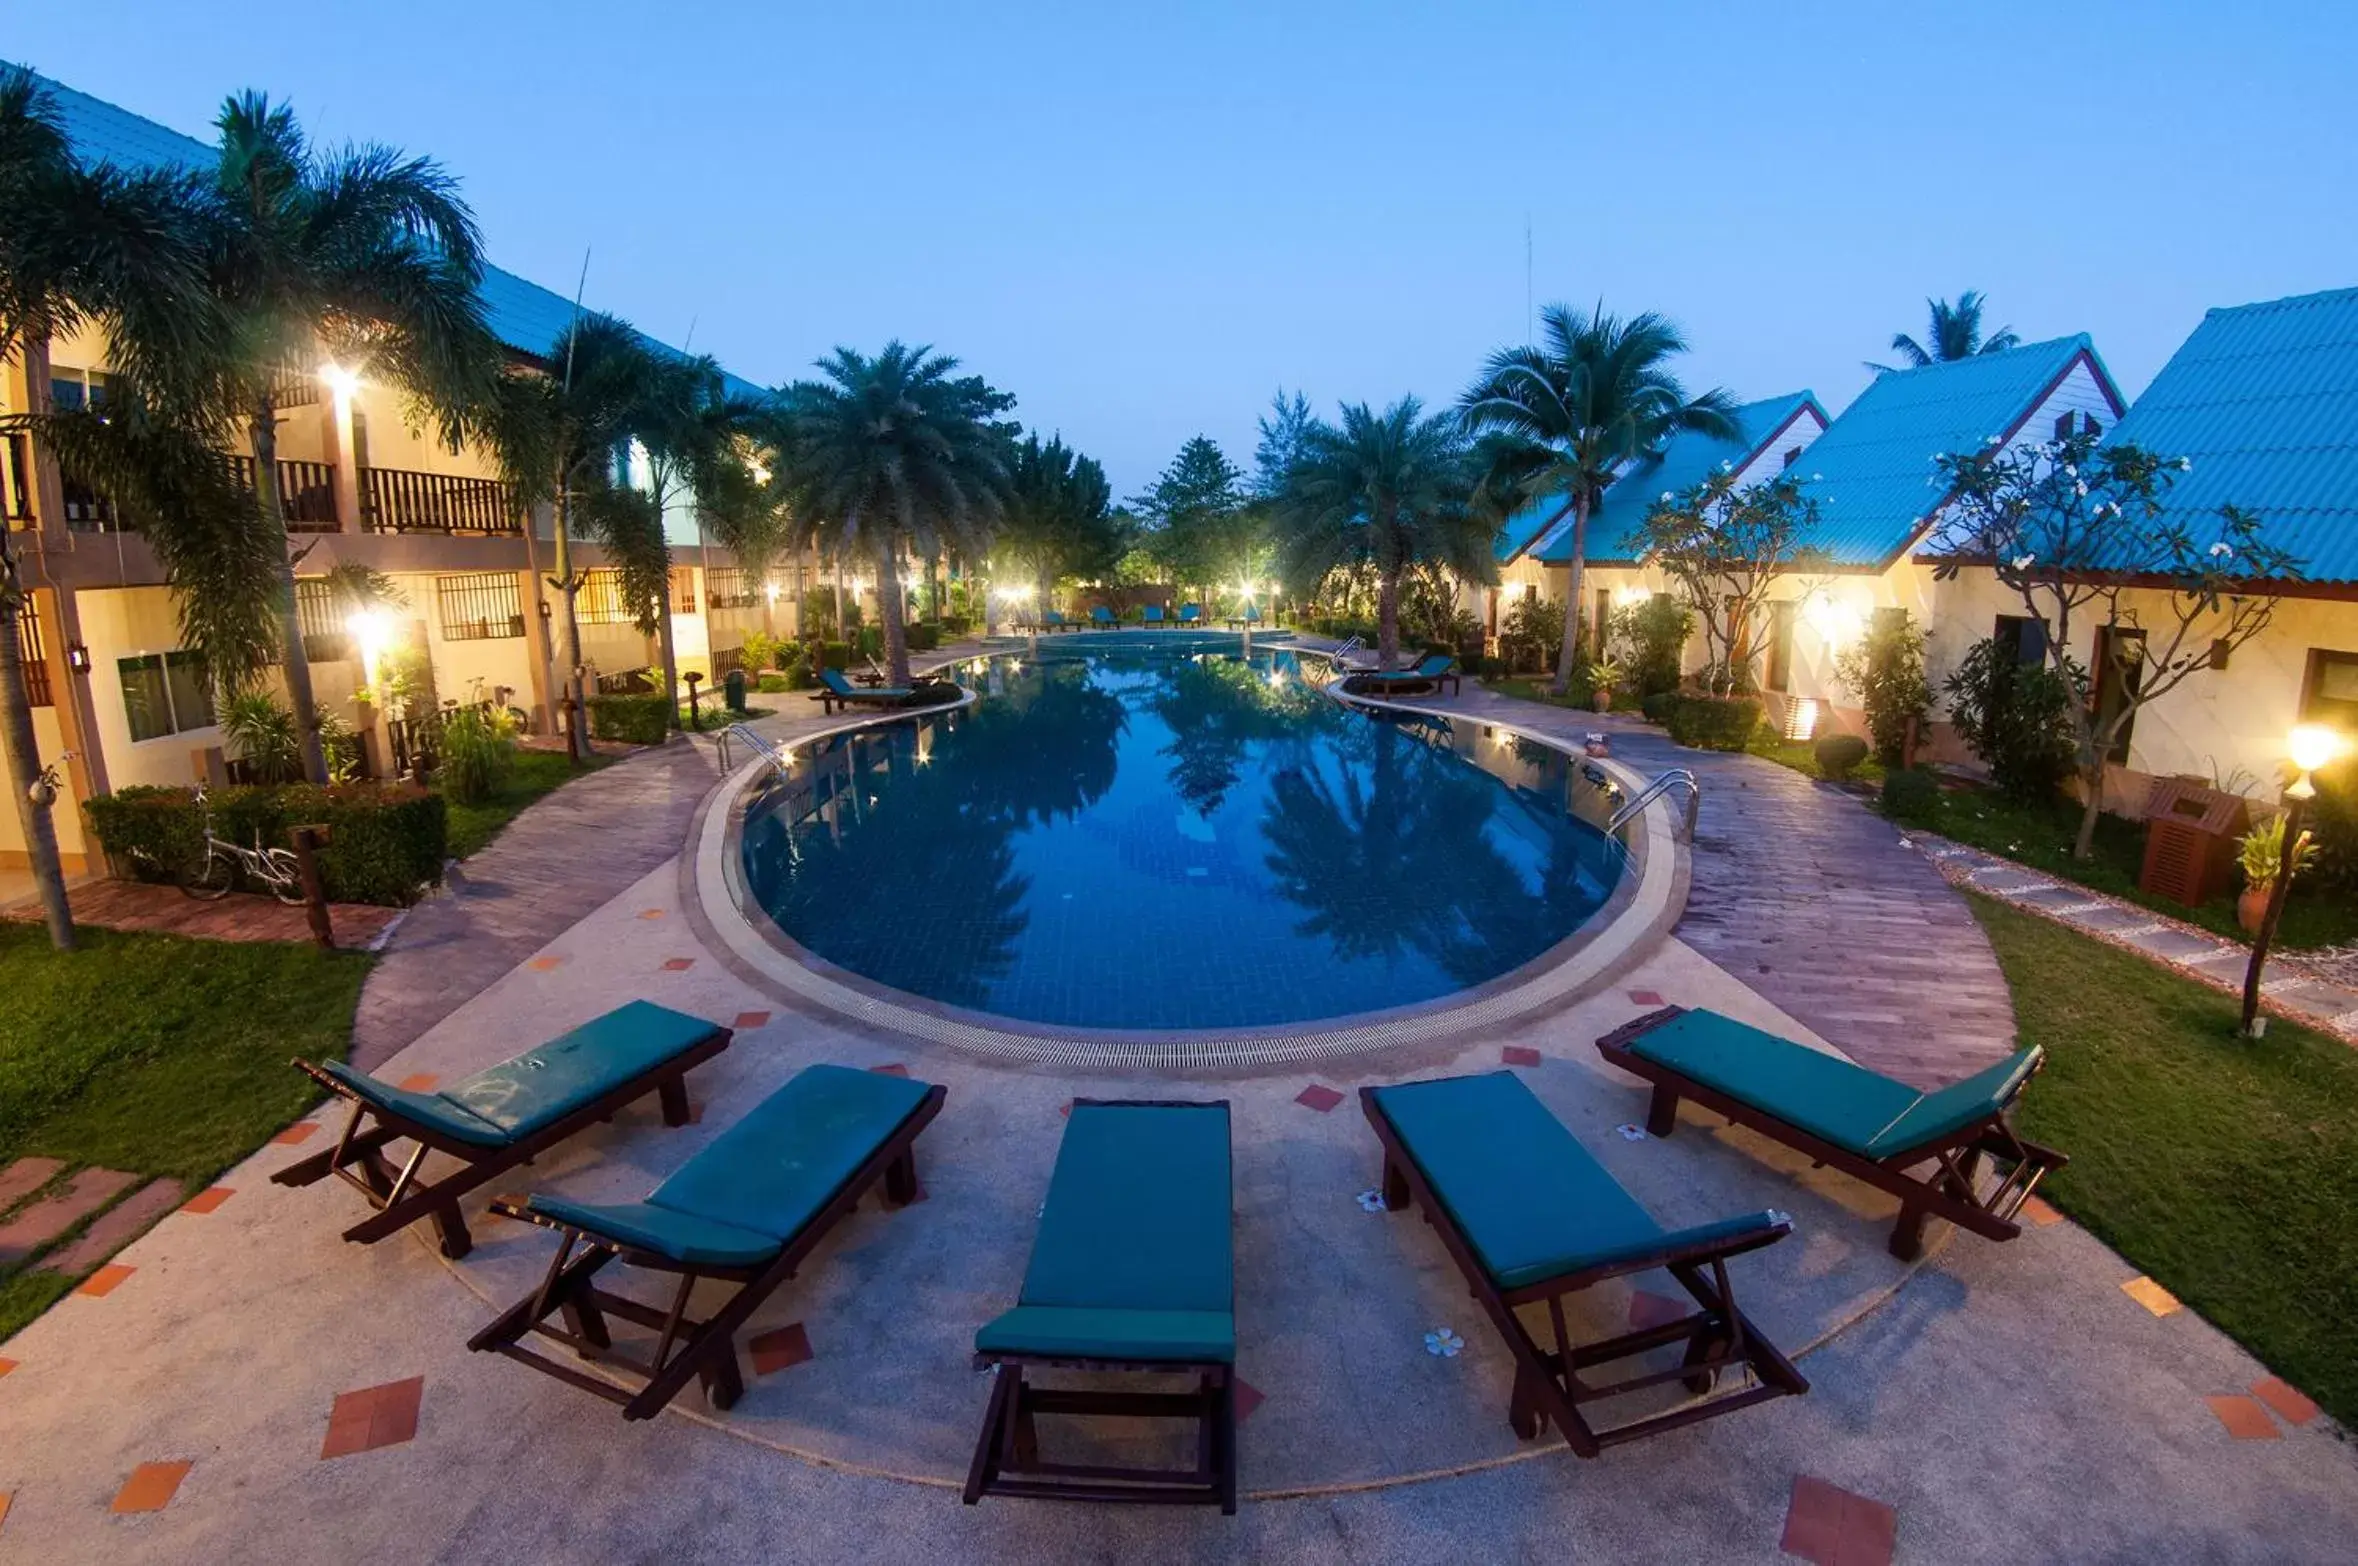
[(117, 1227), (166, 910), (53, 1215)]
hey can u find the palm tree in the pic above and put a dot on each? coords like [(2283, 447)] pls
[(79, 247), (891, 455), (1955, 334), (1059, 515), (1563, 417), (1386, 490), (363, 255)]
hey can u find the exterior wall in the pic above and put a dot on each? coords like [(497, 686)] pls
[(2078, 392), (1803, 428), (49, 736), (127, 623)]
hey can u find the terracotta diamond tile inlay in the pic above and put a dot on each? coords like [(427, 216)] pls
[(2151, 1295), (150, 1487), (2290, 1404), (1248, 1398), (208, 1200), (423, 1082), (1518, 1055), (5, 1498), (1644, 998), (1318, 1096), (896, 1069), (780, 1350), (296, 1134), (371, 1417), (1829, 1525), (105, 1280), (750, 1019), (2041, 1212), (2244, 1418), (548, 964), (650, 913), (678, 964), (6, 1365)]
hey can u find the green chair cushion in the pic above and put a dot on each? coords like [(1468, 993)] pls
[(1139, 1213), (772, 1171), (1987, 1092), (1527, 1196), (1829, 1097), (426, 1109), (700, 1242), (544, 1085), (1077, 1332)]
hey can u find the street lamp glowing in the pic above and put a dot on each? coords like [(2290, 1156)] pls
[(372, 631), (338, 379), (2313, 745)]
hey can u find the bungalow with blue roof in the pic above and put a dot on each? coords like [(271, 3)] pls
[(106, 666)]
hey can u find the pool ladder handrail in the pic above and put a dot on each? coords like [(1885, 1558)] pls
[(745, 736), (1676, 777)]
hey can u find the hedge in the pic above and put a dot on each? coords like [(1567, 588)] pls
[(1912, 795), (835, 655), (1839, 754), (386, 841), (639, 720), (924, 637), (1712, 722)]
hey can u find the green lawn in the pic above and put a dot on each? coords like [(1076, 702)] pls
[(2041, 836), (157, 1055), (1536, 687), (535, 773), (2228, 1171)]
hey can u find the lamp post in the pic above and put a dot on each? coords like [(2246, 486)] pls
[(2311, 745)]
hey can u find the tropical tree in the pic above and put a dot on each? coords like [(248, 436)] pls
[(1725, 547), (1387, 490), (1198, 526), (78, 246), (1560, 420), (1059, 518), (692, 432), (1955, 333), (365, 256), (890, 455)]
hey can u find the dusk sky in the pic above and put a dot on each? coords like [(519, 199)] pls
[(1142, 225)]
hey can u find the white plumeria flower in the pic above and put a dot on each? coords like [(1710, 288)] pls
[(2186, 464), (1372, 1201), (1666, 497), (2024, 562), (1817, 478), (2080, 490), (2221, 548), (1992, 441), (1444, 1343), (2069, 471), (1727, 467)]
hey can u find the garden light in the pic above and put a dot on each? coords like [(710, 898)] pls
[(372, 629), (2313, 745), (339, 380), (2310, 745)]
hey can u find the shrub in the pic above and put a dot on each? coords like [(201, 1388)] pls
[(2015, 717), (1713, 722), (385, 841), (871, 641), (1655, 634), (924, 637), (1532, 634), (263, 736), (1655, 706), (1912, 794), (835, 655), (1839, 754), (638, 720), (2334, 820), (764, 651), (476, 753), (954, 625), (1885, 669), (773, 683)]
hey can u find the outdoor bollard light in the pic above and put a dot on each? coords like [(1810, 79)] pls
[(2311, 745), (693, 679)]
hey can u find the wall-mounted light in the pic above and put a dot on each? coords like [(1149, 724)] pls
[(338, 379), (372, 632), (77, 657)]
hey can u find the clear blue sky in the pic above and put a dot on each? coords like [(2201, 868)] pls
[(1144, 224)]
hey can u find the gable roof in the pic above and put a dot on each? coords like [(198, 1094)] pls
[(1874, 473), (2264, 399), (522, 314), (1688, 460)]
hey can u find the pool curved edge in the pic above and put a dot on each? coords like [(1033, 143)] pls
[(1645, 906)]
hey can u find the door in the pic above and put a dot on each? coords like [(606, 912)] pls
[(1780, 653)]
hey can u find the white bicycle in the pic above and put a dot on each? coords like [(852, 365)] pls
[(214, 870)]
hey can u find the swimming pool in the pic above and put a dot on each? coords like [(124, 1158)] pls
[(1169, 834)]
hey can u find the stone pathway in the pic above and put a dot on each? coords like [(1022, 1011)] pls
[(165, 910), (2288, 987)]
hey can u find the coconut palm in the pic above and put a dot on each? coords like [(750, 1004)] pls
[(80, 246), (1955, 334), (1388, 491), (1561, 418), (364, 257), (889, 456)]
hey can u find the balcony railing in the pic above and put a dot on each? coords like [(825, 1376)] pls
[(306, 492), (393, 500)]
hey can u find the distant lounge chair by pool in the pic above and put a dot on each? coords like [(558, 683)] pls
[(1530, 1217), (1843, 1115), (1154, 614), (1250, 617), (1056, 621), (1191, 614), (1133, 1269), (1432, 672), (835, 690), (502, 1116), (749, 1209), (1102, 617)]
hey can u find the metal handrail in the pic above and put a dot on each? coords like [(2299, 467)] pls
[(742, 735), (1674, 778)]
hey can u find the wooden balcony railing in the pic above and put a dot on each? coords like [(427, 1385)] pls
[(393, 500), (306, 492)]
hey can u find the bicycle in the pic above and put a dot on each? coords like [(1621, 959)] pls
[(217, 866)]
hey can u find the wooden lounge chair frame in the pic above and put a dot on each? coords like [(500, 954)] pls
[(401, 1198), (686, 1347), (1010, 1437), (1410, 677), (1549, 1387), (1949, 1190)]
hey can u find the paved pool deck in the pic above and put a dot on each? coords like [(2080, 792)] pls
[(252, 1388)]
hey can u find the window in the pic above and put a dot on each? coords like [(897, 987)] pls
[(600, 601), (1780, 652), (325, 637), (1792, 455), (70, 391), (2025, 638), (28, 649), (2063, 423), (20, 479), (480, 606), (165, 693), (2089, 426), (731, 587), (1600, 630), (2330, 694), (683, 590)]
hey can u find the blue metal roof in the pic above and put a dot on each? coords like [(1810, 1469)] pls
[(523, 315), (1687, 461), (2263, 399), (1874, 472)]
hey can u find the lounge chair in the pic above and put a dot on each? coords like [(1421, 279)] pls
[(1431, 672), (1856, 1120), (1133, 1270), (500, 1117), (1102, 618), (1191, 614), (1054, 620), (1245, 621), (1153, 614), (1530, 1217), (748, 1210), (835, 690)]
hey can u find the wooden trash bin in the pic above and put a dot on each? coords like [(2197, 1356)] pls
[(2193, 833)]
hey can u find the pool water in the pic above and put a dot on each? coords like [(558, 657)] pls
[(1165, 837)]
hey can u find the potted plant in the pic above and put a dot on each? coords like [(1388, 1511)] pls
[(1602, 677), (2262, 855)]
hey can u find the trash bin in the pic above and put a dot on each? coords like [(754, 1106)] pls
[(2192, 835), (733, 689)]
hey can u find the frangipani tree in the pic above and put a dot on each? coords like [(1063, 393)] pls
[(1725, 547), (2084, 534)]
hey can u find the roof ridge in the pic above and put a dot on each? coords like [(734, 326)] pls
[(2287, 302)]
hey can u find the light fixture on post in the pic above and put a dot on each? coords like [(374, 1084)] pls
[(372, 632), (2311, 746), (339, 380)]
